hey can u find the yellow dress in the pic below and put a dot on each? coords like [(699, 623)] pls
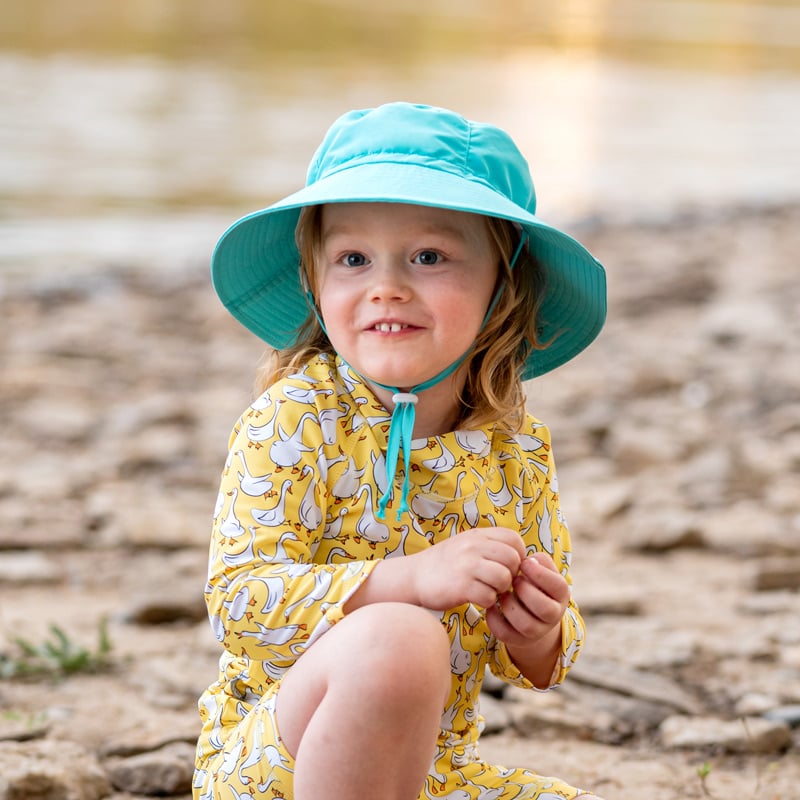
[(295, 534)]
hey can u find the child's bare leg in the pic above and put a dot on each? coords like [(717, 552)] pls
[(360, 710)]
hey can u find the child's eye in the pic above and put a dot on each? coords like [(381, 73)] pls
[(354, 260), (427, 257)]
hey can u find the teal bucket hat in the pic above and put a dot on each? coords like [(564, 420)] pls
[(421, 155)]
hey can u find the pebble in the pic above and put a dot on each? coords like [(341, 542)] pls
[(789, 715), (650, 687), (745, 735), (50, 769), (28, 568), (775, 574), (661, 530), (160, 772)]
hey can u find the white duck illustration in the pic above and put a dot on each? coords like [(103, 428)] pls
[(230, 527), (368, 526), (444, 462), (282, 557), (287, 449), (544, 520), (260, 404), (217, 627), (460, 658), (198, 780), (503, 497), (244, 556), (273, 636), (339, 552), (263, 433), (219, 505), (323, 580), (400, 548), (453, 520), (426, 507), (239, 605), (530, 443), (519, 506), (347, 483), (346, 378), (378, 460), (254, 756), (230, 759), (275, 591), (309, 512), (307, 396), (475, 442), (324, 464), (333, 529), (328, 418), (277, 514), (303, 376), (472, 514), (253, 485)]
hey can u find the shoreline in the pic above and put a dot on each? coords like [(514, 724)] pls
[(18, 268)]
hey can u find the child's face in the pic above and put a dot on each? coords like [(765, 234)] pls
[(403, 289)]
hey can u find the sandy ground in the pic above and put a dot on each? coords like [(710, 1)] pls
[(678, 440)]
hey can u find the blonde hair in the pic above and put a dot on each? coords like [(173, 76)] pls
[(492, 390)]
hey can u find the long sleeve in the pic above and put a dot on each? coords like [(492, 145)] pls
[(267, 598), (543, 529)]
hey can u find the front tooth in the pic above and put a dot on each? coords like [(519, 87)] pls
[(396, 326)]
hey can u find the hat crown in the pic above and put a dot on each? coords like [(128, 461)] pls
[(429, 137)]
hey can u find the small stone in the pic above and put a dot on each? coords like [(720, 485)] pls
[(755, 703), (634, 448), (585, 712), (660, 532), (777, 573), (611, 602), (789, 715), (745, 735), (496, 714), (493, 685), (616, 677), (165, 611), (50, 769), (160, 772), (26, 567), (22, 727)]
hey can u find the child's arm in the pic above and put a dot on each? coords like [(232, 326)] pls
[(529, 619), (266, 598), (538, 628)]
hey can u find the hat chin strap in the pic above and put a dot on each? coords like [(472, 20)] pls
[(401, 424)]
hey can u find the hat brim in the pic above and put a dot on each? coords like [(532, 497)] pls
[(255, 272)]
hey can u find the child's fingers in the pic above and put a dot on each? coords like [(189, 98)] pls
[(495, 575), (540, 571), (508, 537)]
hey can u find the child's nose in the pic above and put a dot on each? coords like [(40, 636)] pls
[(390, 280)]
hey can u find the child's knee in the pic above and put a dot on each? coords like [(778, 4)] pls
[(402, 645)]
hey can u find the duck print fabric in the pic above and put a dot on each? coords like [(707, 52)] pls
[(295, 534)]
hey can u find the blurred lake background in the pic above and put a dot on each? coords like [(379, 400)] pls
[(134, 132)]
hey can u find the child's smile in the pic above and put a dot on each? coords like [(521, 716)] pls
[(403, 289)]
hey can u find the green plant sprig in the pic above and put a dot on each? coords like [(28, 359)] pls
[(56, 656)]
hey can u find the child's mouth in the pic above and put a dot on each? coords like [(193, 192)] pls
[(390, 327)]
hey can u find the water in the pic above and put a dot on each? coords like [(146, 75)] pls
[(137, 139)]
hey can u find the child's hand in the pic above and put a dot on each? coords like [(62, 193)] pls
[(474, 567), (532, 612)]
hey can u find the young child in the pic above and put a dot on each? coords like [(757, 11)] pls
[(388, 522)]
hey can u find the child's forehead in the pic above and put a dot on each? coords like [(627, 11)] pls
[(351, 218)]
